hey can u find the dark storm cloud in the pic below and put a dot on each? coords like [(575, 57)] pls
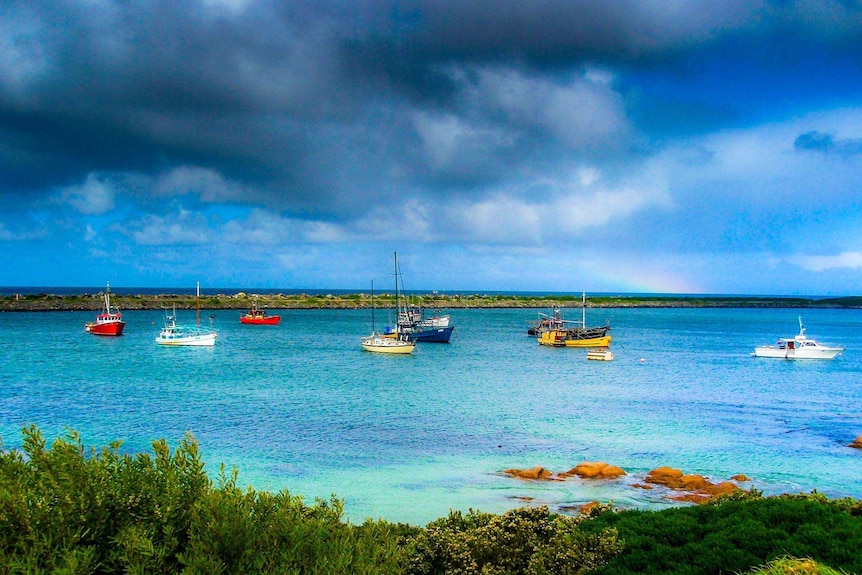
[(326, 108)]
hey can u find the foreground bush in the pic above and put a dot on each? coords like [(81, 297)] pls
[(736, 535), (524, 541), (70, 510), (793, 566)]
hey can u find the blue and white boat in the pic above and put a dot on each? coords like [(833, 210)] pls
[(422, 334), (412, 325)]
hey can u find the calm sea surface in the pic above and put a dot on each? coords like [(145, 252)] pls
[(300, 407)]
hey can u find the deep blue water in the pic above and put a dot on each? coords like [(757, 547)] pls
[(301, 407)]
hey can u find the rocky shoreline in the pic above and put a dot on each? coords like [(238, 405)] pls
[(242, 300)]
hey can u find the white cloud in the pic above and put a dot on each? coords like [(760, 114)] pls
[(210, 185), (559, 211), (850, 260), (186, 228), (583, 113), (95, 196), (268, 229)]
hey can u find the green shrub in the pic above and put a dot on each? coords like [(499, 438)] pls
[(528, 541), (735, 535), (793, 566), (71, 510)]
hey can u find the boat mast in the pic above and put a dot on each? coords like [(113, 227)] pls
[(108, 298), (198, 303), (397, 308), (373, 327), (584, 310)]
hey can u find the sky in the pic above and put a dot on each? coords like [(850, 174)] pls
[(530, 145)]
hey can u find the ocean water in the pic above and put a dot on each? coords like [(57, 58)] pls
[(300, 407)]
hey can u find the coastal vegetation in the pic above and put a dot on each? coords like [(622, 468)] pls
[(242, 300), (65, 508)]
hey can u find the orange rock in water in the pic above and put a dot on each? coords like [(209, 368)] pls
[(741, 477), (691, 483), (534, 473), (697, 498), (664, 476), (596, 470), (723, 488), (857, 443)]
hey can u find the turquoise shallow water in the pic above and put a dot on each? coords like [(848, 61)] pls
[(301, 407)]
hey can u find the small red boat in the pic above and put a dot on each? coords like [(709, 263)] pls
[(257, 316), (109, 322)]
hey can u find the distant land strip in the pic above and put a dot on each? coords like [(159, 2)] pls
[(242, 300)]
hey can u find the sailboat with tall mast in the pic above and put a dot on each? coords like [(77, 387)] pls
[(379, 344), (412, 324), (186, 335)]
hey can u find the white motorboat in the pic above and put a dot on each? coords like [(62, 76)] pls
[(799, 347)]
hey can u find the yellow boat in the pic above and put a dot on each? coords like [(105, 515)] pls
[(565, 333), (566, 338)]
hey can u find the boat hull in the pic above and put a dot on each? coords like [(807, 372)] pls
[(268, 320), (386, 345), (561, 338), (424, 335), (818, 352), (431, 335), (203, 340), (111, 328)]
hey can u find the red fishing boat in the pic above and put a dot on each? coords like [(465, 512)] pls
[(257, 316), (109, 322)]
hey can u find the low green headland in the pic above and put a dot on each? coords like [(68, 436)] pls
[(66, 508), (241, 300)]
